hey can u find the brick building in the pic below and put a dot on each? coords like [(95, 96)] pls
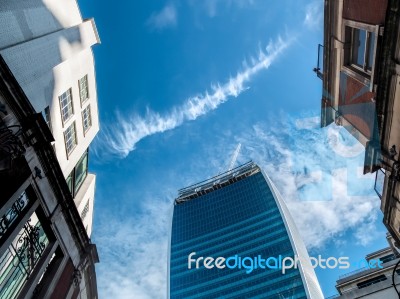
[(361, 77)]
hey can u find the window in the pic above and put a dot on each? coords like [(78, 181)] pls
[(70, 138), (46, 116), (70, 183), (362, 49), (86, 119), (77, 176), (66, 105), (387, 258), (83, 89), (371, 281), (81, 171)]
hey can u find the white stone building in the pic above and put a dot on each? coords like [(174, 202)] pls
[(47, 46)]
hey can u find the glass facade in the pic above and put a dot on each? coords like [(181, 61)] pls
[(78, 175), (240, 218)]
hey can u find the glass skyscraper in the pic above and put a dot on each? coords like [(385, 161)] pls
[(236, 216)]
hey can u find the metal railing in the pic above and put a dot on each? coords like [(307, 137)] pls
[(216, 182)]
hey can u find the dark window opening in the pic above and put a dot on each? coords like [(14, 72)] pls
[(371, 281), (387, 258)]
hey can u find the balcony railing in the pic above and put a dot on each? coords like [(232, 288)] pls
[(19, 260)]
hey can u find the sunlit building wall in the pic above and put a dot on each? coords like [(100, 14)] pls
[(47, 46), (48, 118)]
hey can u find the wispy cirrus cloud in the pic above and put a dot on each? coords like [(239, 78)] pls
[(314, 15), (134, 252), (167, 17), (121, 138), (212, 7), (321, 182)]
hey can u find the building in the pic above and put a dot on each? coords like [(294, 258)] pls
[(45, 251), (372, 282), (47, 47), (238, 213), (48, 118), (360, 72)]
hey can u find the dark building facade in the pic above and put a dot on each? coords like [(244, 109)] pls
[(361, 78), (236, 214), (45, 251)]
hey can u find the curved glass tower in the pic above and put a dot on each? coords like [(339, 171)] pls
[(224, 230)]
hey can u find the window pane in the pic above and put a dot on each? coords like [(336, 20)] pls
[(371, 46), (66, 105), (83, 89), (359, 39), (81, 171), (70, 138), (70, 183), (86, 119)]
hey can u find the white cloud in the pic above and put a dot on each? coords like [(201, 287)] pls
[(321, 187), (167, 17), (133, 253), (308, 123), (120, 139), (314, 15), (213, 7)]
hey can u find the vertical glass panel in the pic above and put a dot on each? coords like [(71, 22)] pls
[(81, 170), (83, 89), (359, 39), (46, 116), (371, 53), (70, 138), (70, 183), (66, 105)]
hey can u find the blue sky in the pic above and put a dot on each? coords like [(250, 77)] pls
[(180, 84)]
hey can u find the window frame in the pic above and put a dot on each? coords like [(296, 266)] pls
[(84, 80), (348, 67), (69, 152), (366, 53), (89, 118), (71, 178), (76, 186), (64, 121)]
